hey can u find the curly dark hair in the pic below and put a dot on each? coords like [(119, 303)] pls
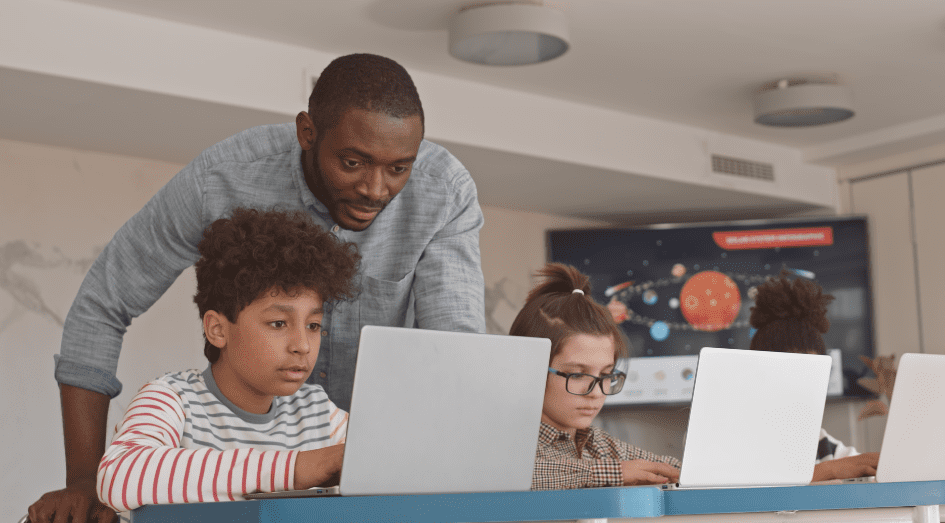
[(554, 311), (362, 81), (254, 252), (790, 315)]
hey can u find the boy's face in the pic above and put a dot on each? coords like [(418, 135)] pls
[(270, 349), (585, 353)]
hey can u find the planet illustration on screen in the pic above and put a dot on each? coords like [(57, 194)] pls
[(618, 310), (650, 297), (696, 300), (659, 331), (710, 301)]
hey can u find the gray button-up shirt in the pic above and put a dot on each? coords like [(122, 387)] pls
[(420, 266)]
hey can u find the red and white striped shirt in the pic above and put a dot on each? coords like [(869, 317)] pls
[(183, 441)]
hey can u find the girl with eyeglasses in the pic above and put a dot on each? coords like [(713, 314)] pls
[(585, 346)]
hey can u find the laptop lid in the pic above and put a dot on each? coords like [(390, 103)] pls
[(912, 443), (443, 412), (755, 418)]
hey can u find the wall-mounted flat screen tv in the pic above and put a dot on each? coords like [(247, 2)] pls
[(677, 288)]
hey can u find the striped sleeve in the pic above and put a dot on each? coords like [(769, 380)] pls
[(145, 464), (338, 421)]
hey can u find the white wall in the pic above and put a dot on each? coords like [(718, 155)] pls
[(59, 208), (513, 248), (901, 197)]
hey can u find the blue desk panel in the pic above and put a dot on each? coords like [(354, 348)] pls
[(633, 502), (617, 502), (811, 497)]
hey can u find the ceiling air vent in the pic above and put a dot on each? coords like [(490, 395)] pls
[(745, 168)]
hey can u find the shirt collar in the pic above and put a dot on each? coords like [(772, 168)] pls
[(244, 415), (582, 438), (548, 434)]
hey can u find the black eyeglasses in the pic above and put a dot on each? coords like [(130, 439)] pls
[(582, 384)]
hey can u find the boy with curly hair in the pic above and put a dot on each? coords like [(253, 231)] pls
[(791, 316), (249, 422)]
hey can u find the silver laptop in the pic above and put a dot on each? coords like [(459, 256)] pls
[(441, 412), (755, 419), (912, 443)]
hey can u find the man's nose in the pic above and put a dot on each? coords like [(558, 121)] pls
[(373, 186)]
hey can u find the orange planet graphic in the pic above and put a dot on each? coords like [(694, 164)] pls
[(618, 310), (710, 301)]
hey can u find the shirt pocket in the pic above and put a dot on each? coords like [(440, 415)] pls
[(385, 302)]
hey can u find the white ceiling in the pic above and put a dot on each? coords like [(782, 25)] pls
[(691, 62), (695, 62)]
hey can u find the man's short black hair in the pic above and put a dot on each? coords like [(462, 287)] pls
[(362, 81)]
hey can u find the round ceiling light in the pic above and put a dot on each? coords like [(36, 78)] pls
[(508, 34), (801, 103)]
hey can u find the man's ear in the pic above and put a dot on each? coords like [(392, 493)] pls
[(214, 328), (305, 131)]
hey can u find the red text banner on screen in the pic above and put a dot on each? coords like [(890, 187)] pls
[(771, 238)]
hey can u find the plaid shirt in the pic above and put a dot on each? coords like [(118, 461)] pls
[(589, 459)]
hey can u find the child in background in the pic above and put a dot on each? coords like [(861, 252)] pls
[(249, 422), (791, 316), (585, 345)]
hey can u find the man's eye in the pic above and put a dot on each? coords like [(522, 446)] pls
[(400, 169), (315, 326), (351, 163), (277, 323)]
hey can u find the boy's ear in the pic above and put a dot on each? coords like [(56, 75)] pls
[(214, 328)]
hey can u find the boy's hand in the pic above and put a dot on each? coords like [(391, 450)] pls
[(851, 467), (643, 472), (319, 468), (77, 503)]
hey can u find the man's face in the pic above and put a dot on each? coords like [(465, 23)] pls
[(357, 167)]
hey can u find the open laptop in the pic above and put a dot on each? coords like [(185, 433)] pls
[(755, 419), (912, 443), (911, 449), (441, 412)]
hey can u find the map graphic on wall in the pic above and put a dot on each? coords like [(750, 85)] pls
[(677, 288)]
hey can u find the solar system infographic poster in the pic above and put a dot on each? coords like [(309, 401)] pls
[(676, 289)]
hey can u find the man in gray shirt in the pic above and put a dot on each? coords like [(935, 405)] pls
[(358, 164)]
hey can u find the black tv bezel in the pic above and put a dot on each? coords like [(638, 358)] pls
[(851, 389)]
